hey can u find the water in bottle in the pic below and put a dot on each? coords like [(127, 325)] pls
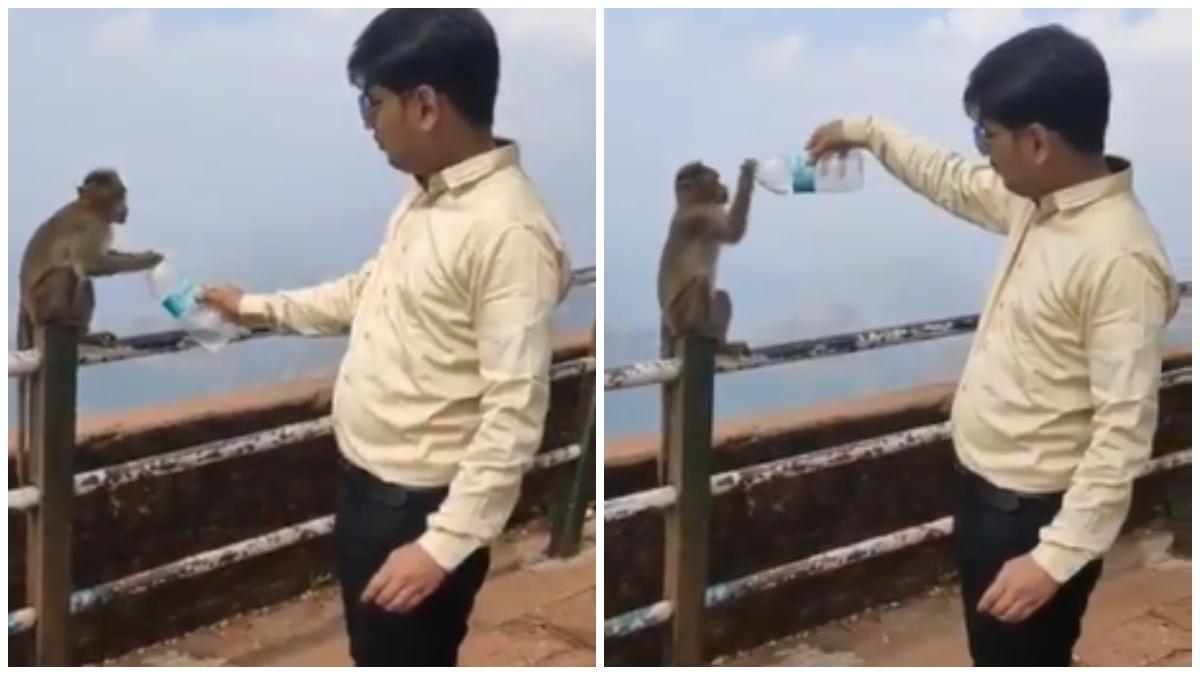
[(792, 174), (177, 294)]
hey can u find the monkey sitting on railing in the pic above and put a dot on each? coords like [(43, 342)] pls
[(66, 251), (691, 303), (61, 258)]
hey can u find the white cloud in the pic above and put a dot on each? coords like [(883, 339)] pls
[(780, 56), (572, 31), (1162, 35), (973, 26), (658, 36), (128, 31)]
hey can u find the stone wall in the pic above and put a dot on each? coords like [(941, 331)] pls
[(786, 519)]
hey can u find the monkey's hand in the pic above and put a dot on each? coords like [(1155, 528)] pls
[(829, 139), (150, 258), (746, 177), (119, 262), (225, 299)]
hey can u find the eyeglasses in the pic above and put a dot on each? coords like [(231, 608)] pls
[(365, 105), (982, 140)]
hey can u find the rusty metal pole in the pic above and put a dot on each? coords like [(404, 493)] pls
[(566, 532), (49, 535), (686, 525), (569, 516)]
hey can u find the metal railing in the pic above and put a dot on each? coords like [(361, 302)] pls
[(49, 371), (909, 537), (685, 499)]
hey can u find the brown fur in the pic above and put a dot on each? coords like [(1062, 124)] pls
[(687, 294), (65, 252)]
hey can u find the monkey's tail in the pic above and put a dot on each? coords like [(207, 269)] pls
[(666, 351), (24, 395)]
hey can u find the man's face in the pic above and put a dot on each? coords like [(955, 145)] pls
[(1018, 155), (401, 125)]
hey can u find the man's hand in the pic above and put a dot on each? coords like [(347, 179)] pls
[(407, 577), (225, 299), (829, 139), (1019, 590)]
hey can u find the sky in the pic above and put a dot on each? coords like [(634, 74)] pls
[(238, 135), (720, 85)]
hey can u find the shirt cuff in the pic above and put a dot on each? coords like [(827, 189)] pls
[(254, 308), (857, 129), (446, 549), (1060, 562)]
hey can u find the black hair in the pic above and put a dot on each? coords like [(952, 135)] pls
[(1046, 75), (454, 51)]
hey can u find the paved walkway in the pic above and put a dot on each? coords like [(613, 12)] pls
[(1139, 615), (531, 612)]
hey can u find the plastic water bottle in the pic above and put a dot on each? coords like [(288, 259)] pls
[(177, 294), (792, 174)]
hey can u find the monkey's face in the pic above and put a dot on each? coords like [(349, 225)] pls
[(118, 209), (700, 185), (720, 192), (107, 201)]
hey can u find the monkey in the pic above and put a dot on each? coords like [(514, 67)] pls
[(65, 252), (687, 294)]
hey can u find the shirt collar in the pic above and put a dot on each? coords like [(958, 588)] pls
[(1082, 194), (475, 168)]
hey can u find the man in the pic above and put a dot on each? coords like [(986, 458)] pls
[(440, 400), (1058, 401)]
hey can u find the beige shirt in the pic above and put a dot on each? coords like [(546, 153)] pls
[(445, 380), (1060, 391)]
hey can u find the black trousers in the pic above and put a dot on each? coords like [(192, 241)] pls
[(991, 527), (373, 519)]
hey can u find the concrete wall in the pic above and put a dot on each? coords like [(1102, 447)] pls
[(156, 521), (786, 519)]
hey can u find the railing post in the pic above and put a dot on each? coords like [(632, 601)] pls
[(567, 529), (1178, 507), (51, 461), (689, 463), (567, 534)]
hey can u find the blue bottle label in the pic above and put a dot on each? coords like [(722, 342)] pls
[(179, 302), (804, 178)]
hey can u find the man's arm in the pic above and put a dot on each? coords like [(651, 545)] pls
[(1126, 313), (521, 280), (969, 189), (326, 309)]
